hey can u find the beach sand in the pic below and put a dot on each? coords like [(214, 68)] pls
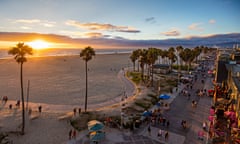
[(61, 80), (58, 84)]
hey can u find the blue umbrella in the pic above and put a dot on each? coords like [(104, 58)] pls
[(95, 125), (147, 113), (97, 135), (164, 96)]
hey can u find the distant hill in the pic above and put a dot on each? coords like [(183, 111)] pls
[(218, 40)]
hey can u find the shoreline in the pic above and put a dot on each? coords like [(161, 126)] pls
[(65, 52)]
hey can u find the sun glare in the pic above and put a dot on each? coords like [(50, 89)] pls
[(38, 44)]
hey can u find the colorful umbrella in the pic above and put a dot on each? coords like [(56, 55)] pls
[(97, 135), (95, 125)]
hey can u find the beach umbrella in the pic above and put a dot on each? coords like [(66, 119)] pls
[(97, 135), (95, 125), (164, 96), (147, 113)]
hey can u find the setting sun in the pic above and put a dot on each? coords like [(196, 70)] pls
[(39, 44)]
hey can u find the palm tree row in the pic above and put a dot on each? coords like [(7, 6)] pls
[(146, 58), (21, 50)]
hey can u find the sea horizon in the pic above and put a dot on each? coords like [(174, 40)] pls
[(66, 52)]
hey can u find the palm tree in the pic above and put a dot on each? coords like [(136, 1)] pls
[(134, 56), (87, 55), (187, 55), (152, 56), (171, 56), (20, 51), (179, 49), (143, 61)]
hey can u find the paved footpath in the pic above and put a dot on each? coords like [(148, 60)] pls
[(181, 109)]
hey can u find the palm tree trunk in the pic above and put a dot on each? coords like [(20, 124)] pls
[(142, 73), (138, 66), (22, 96), (134, 66), (86, 86), (152, 74)]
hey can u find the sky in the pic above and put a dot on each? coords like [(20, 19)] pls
[(104, 23)]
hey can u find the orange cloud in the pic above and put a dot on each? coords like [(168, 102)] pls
[(98, 26), (172, 32), (94, 35)]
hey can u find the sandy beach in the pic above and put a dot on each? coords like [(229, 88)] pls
[(61, 80), (58, 84)]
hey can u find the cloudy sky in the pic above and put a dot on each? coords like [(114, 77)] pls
[(71, 21)]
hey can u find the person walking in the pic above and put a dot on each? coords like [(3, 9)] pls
[(79, 111), (40, 109), (168, 123), (204, 126), (74, 134), (166, 135), (74, 111), (160, 133), (149, 130), (70, 134)]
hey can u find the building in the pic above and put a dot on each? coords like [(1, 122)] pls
[(161, 68)]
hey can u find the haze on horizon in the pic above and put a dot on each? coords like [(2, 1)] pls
[(114, 23)]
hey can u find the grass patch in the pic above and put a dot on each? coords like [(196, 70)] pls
[(80, 122), (171, 82), (154, 98), (142, 103), (135, 76)]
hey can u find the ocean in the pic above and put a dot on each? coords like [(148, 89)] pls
[(64, 52)]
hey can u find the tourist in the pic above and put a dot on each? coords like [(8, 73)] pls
[(74, 111), (149, 130), (160, 133), (166, 135), (163, 121), (74, 134), (184, 124), (18, 104), (70, 134), (79, 111), (204, 125), (189, 95), (193, 102), (10, 106), (40, 109), (168, 123), (4, 99)]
